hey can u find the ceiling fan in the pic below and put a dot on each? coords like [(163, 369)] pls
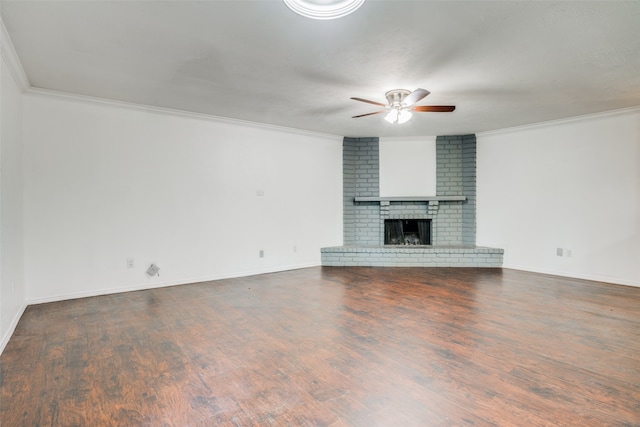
[(401, 105)]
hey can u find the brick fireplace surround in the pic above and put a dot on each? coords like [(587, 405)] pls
[(452, 211)]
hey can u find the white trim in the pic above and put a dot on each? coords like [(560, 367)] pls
[(12, 327), (422, 138), (139, 287), (247, 273), (591, 277), (173, 112), (8, 52), (628, 110)]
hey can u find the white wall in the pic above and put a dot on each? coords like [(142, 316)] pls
[(12, 285), (573, 185), (407, 166), (106, 182)]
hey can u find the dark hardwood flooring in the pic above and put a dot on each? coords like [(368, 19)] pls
[(333, 346)]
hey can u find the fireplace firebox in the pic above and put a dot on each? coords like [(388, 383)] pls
[(407, 232)]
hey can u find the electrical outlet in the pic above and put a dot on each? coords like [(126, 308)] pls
[(153, 270), (261, 253), (295, 248), (130, 263), (559, 252), (568, 252)]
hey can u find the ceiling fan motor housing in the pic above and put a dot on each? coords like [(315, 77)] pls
[(396, 96)]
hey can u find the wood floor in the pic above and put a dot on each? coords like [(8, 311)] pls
[(333, 346)]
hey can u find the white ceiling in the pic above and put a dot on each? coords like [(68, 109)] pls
[(502, 63)]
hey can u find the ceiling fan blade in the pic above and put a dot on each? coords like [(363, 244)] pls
[(434, 108), (370, 102), (368, 114), (415, 96)]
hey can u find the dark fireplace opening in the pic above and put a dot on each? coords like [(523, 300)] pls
[(407, 231)]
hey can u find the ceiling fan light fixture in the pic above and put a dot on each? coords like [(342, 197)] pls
[(392, 117), (324, 9), (401, 105), (398, 115), (404, 116)]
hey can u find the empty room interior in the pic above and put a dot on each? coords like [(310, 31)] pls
[(320, 213)]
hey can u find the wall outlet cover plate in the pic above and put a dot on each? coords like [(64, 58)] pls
[(153, 270)]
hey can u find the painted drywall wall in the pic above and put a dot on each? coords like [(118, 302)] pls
[(573, 185), (200, 198), (12, 286), (408, 166)]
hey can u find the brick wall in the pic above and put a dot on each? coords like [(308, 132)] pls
[(469, 189), (456, 175), (453, 223), (361, 177)]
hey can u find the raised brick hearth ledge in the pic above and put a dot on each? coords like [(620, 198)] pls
[(412, 256)]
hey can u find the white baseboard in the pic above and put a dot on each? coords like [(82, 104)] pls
[(591, 277), (12, 327), (61, 297), (186, 281)]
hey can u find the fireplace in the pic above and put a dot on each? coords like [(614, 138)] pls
[(407, 232), (420, 231)]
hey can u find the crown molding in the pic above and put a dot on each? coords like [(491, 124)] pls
[(429, 138), (174, 113), (219, 119), (575, 119), (8, 52)]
